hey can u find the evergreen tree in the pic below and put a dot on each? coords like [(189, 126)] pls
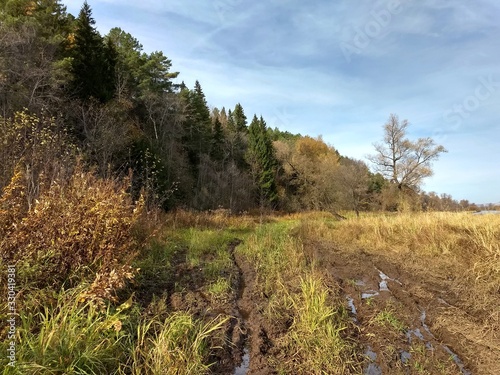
[(33, 37), (239, 120), (197, 126), (217, 141), (262, 159), (93, 61)]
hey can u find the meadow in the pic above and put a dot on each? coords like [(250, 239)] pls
[(193, 293)]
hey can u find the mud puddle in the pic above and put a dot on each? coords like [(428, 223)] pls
[(372, 368), (243, 315)]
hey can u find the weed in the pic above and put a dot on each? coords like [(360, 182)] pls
[(70, 337), (316, 333), (177, 345), (220, 289), (387, 317)]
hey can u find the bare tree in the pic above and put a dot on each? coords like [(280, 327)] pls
[(403, 162)]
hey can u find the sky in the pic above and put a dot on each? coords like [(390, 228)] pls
[(340, 68)]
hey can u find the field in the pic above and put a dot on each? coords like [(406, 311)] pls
[(306, 293)]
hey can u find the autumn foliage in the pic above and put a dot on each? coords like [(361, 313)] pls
[(75, 230)]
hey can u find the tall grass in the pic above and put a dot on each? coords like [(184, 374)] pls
[(311, 315), (460, 248), (314, 342), (68, 337), (275, 254), (176, 345)]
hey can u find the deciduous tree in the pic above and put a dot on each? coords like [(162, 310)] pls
[(405, 163)]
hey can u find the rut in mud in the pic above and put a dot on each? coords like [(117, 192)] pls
[(256, 343), (395, 313), (398, 319)]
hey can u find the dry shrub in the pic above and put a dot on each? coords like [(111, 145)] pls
[(212, 219), (41, 145), (73, 232)]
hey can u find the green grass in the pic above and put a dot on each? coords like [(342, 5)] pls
[(176, 345), (387, 317), (315, 342), (316, 333), (219, 289), (69, 337)]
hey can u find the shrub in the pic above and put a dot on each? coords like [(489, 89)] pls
[(74, 232)]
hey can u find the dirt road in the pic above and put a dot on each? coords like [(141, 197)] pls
[(403, 321)]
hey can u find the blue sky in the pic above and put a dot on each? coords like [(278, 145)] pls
[(340, 68)]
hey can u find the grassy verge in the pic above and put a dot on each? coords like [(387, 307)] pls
[(309, 310)]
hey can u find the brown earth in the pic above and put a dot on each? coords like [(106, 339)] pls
[(417, 326)]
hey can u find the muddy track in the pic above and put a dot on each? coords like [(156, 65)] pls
[(398, 316), (378, 292), (255, 343), (246, 343)]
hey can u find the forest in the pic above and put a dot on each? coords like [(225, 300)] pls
[(68, 94), (144, 231)]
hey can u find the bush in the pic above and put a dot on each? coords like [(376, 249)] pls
[(76, 231)]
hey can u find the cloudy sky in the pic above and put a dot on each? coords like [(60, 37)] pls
[(340, 68)]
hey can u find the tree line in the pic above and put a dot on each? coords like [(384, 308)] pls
[(69, 95)]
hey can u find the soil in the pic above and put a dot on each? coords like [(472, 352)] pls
[(422, 340)]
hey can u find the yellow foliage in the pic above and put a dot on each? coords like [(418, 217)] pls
[(75, 230)]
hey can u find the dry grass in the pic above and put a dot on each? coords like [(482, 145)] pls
[(457, 245), (460, 252)]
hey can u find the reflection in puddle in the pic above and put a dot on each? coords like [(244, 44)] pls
[(245, 364), (405, 357), (371, 354), (422, 319), (350, 302), (360, 283), (369, 294), (415, 332), (428, 345), (457, 361), (372, 368), (383, 283)]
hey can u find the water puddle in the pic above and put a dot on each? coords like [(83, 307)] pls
[(457, 361), (354, 313), (372, 368), (417, 333), (383, 281), (245, 363), (369, 294), (243, 316), (360, 283), (426, 327), (405, 357)]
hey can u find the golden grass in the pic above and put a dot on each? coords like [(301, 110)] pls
[(460, 252)]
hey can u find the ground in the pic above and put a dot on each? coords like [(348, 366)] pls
[(401, 319)]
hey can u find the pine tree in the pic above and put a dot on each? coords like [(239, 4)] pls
[(239, 120), (262, 160), (93, 61), (197, 126), (217, 141)]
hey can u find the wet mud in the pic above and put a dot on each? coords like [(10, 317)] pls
[(397, 315)]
